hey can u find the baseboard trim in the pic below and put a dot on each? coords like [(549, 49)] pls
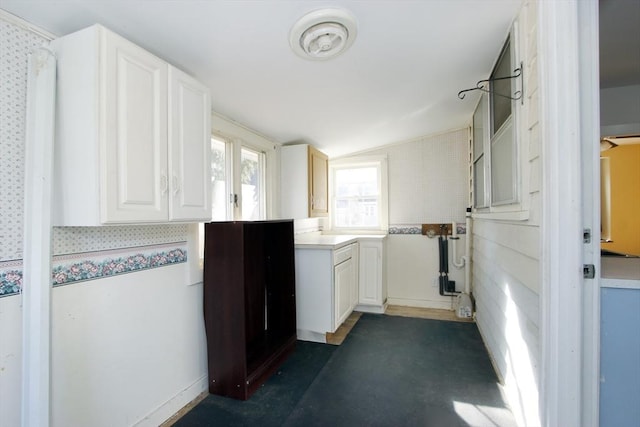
[(376, 309), (172, 406), (444, 305), (306, 335)]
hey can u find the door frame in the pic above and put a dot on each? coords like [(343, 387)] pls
[(568, 55)]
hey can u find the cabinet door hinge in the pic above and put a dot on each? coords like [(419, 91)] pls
[(586, 235)]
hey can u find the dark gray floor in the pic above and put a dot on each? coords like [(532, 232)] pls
[(390, 371)]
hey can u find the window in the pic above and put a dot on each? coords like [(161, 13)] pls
[(479, 127), (252, 177), (243, 176), (359, 195), (242, 198), (220, 183), (495, 154)]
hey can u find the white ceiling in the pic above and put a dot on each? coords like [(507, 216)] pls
[(397, 82), (619, 43)]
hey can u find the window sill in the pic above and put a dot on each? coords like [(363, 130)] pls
[(502, 216)]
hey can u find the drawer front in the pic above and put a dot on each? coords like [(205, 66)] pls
[(343, 254)]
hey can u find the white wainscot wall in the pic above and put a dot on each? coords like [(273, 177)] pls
[(413, 271), (505, 285), (127, 350), (10, 360)]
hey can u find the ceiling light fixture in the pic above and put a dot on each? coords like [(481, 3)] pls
[(323, 34)]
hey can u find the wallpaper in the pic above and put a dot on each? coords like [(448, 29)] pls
[(80, 253)]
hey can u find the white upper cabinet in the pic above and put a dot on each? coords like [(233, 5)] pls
[(132, 135), (303, 182), (189, 160)]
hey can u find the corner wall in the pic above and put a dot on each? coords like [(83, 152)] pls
[(428, 183), (127, 339)]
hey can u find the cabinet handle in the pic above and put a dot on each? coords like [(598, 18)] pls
[(164, 184), (176, 185)]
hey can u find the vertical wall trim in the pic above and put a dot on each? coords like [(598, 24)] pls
[(36, 329), (590, 135), (562, 282)]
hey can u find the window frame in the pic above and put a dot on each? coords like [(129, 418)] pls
[(236, 136), (262, 186), (513, 208), (380, 163), (228, 160)]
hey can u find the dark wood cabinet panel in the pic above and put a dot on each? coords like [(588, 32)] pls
[(249, 302)]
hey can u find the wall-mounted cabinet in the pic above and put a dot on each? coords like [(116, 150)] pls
[(304, 182), (132, 135)]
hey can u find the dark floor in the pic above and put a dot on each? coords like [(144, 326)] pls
[(389, 371)]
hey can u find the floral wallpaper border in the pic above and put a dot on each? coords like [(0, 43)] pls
[(417, 229), (68, 269)]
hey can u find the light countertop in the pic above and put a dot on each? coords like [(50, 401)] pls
[(317, 240)]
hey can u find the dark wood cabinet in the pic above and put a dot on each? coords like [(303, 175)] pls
[(249, 303)]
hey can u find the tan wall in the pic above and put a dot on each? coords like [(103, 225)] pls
[(624, 166)]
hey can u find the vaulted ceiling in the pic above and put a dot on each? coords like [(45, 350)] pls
[(398, 81)]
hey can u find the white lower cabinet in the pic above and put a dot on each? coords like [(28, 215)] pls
[(345, 283), (326, 282), (372, 295)]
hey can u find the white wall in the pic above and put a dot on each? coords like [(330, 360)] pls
[(506, 257), (620, 110), (428, 183), (10, 360), (127, 349), (412, 271)]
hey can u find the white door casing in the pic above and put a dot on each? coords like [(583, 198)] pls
[(568, 68)]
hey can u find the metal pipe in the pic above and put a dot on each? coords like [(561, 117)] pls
[(467, 253), (455, 238)]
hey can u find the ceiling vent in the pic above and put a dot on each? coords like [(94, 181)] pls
[(323, 34)]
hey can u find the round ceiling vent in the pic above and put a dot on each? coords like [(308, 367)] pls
[(323, 34)]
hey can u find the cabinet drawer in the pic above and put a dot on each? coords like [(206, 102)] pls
[(343, 254)]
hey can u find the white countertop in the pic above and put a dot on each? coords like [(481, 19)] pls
[(317, 240)]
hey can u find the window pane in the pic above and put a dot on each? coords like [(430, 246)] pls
[(479, 120), (500, 105), (357, 197), (219, 198), (357, 182), (478, 183), (252, 180), (503, 166)]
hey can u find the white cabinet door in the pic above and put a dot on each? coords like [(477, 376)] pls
[(371, 276), (344, 279), (189, 148), (114, 163), (355, 288), (134, 176)]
